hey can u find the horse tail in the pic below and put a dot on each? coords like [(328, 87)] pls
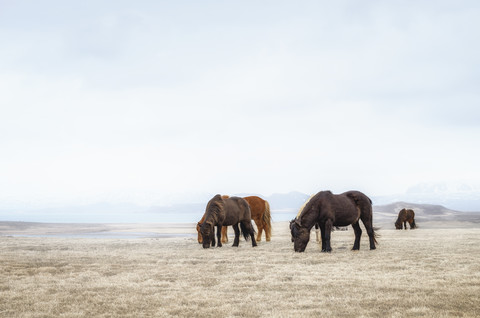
[(375, 233), (414, 225), (267, 221), (245, 232)]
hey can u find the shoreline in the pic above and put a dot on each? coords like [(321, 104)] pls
[(96, 230), (158, 230)]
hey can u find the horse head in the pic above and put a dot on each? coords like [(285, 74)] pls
[(207, 232), (293, 228), (300, 235)]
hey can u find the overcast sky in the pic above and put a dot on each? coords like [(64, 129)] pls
[(173, 98)]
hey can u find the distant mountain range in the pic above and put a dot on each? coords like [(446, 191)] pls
[(433, 204), (460, 197)]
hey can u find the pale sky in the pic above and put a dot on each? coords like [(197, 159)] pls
[(159, 100)]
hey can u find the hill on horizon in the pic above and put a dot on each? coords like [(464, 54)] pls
[(424, 214)]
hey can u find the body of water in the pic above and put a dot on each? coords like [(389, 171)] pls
[(122, 217), (112, 235)]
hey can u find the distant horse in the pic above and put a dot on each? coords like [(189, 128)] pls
[(404, 216), (317, 229), (223, 212), (328, 210), (260, 210)]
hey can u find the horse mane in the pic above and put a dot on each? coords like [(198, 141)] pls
[(303, 206), (214, 208)]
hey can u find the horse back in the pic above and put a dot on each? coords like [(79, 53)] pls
[(405, 215), (257, 206), (410, 215), (360, 200), (345, 211), (236, 210)]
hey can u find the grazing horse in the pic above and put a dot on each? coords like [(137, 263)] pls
[(260, 210), (223, 212), (329, 210), (224, 228), (404, 216)]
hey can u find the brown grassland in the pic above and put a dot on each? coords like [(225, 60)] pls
[(415, 273)]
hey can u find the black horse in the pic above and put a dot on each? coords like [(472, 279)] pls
[(223, 212), (329, 210)]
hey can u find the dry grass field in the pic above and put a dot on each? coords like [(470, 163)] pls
[(419, 273)]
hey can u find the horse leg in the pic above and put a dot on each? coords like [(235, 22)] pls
[(317, 233), (212, 235), (236, 240), (322, 234), (370, 231), (224, 234), (260, 229), (328, 231), (358, 235), (405, 225), (249, 227), (219, 235), (268, 232)]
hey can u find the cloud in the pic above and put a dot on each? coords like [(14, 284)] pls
[(236, 98)]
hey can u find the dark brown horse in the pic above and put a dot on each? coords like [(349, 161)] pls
[(329, 210), (404, 216), (224, 212), (260, 210)]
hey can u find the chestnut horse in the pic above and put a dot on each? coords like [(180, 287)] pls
[(260, 210), (404, 216), (230, 211), (329, 210)]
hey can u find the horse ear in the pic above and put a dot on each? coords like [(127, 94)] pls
[(298, 222)]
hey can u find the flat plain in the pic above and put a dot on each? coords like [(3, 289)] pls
[(427, 272)]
